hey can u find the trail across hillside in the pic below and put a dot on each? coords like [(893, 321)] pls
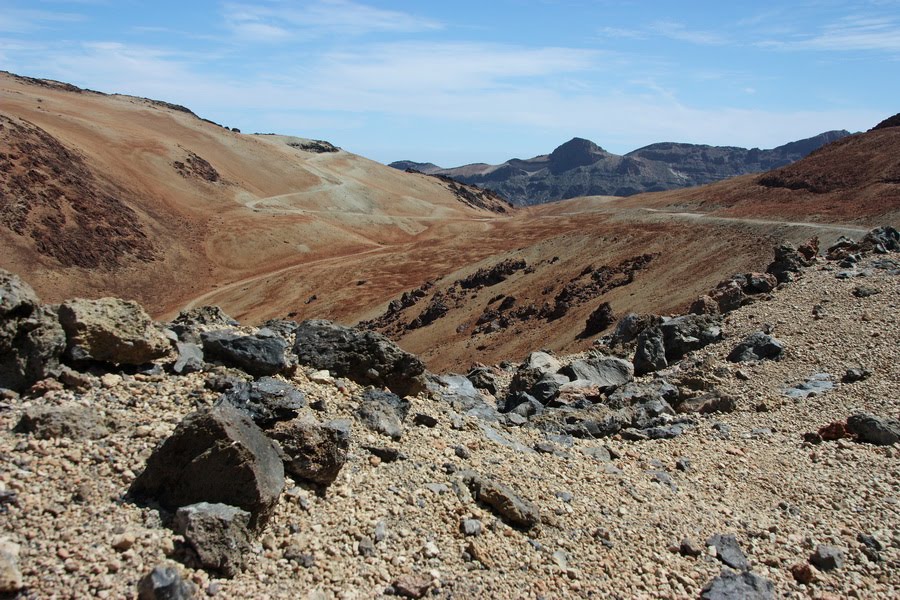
[(707, 217)]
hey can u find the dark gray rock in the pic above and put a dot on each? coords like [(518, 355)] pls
[(266, 400), (547, 387), (522, 404), (603, 371), (70, 421), (31, 338), (881, 431), (671, 340), (759, 283), (757, 346), (215, 455), (644, 392), (827, 558), (218, 535), (111, 330), (383, 412), (629, 327), (502, 500), (253, 354), (458, 392), (729, 551), (283, 328), (738, 586), (788, 262), (881, 240), (483, 378), (313, 452), (365, 357), (165, 583), (854, 374), (190, 358), (189, 324)]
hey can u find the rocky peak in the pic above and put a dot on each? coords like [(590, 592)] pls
[(577, 152), (889, 122)]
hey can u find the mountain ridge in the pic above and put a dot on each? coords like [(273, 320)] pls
[(580, 167)]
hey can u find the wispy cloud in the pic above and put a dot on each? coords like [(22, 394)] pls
[(14, 20), (879, 34), (277, 20), (682, 33)]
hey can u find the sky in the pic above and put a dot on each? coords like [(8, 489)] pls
[(460, 81)]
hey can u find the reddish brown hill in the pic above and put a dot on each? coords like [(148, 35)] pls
[(114, 195)]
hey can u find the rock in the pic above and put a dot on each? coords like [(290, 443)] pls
[(603, 371), (788, 261), (67, 421), (218, 535), (881, 240), (111, 330), (757, 346), (165, 583), (759, 283), (728, 551), (253, 354), (461, 395), (712, 402), (689, 547), (522, 403), (814, 385), (483, 379), (190, 358), (803, 573), (704, 305), (383, 412), (31, 339), (728, 296), (601, 318), (547, 387), (630, 327), (827, 558), (215, 455), (10, 575), (470, 527), (854, 374), (881, 431), (532, 370), (366, 546), (738, 586), (313, 452), (189, 324), (425, 420), (365, 357), (670, 341), (412, 586), (266, 400), (502, 500)]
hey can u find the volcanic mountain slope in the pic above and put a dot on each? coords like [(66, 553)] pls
[(581, 168), (108, 194), (115, 195)]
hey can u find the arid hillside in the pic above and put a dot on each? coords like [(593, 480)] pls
[(116, 195)]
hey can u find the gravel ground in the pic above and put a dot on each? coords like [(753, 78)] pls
[(609, 529)]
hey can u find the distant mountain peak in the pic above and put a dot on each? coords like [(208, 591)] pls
[(889, 122), (577, 152)]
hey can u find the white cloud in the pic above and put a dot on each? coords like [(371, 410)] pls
[(14, 20), (318, 18), (851, 34), (681, 33)]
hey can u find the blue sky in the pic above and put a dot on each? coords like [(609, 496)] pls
[(459, 82)]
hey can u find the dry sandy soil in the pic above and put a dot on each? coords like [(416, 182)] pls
[(609, 529), (194, 213)]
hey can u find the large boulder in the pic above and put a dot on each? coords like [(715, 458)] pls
[(365, 357), (730, 585), (256, 355), (629, 327), (111, 330), (383, 412), (67, 421), (313, 451), (659, 346), (757, 346), (190, 323), (788, 262), (266, 401), (217, 534), (215, 455), (31, 338), (881, 240), (605, 372), (462, 395), (881, 431)]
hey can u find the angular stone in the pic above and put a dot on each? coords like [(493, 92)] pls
[(10, 575), (266, 400), (827, 558), (113, 331), (165, 583), (253, 354), (881, 431), (729, 551), (412, 586), (738, 586), (365, 357), (68, 421), (603, 371), (507, 504), (218, 535), (461, 395), (190, 358), (383, 412), (313, 452), (757, 346), (189, 324), (215, 455), (31, 342)]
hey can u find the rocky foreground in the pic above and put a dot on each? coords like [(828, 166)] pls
[(754, 454)]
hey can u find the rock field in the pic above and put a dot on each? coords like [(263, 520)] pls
[(569, 480)]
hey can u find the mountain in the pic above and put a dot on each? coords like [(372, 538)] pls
[(581, 168), (111, 195)]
